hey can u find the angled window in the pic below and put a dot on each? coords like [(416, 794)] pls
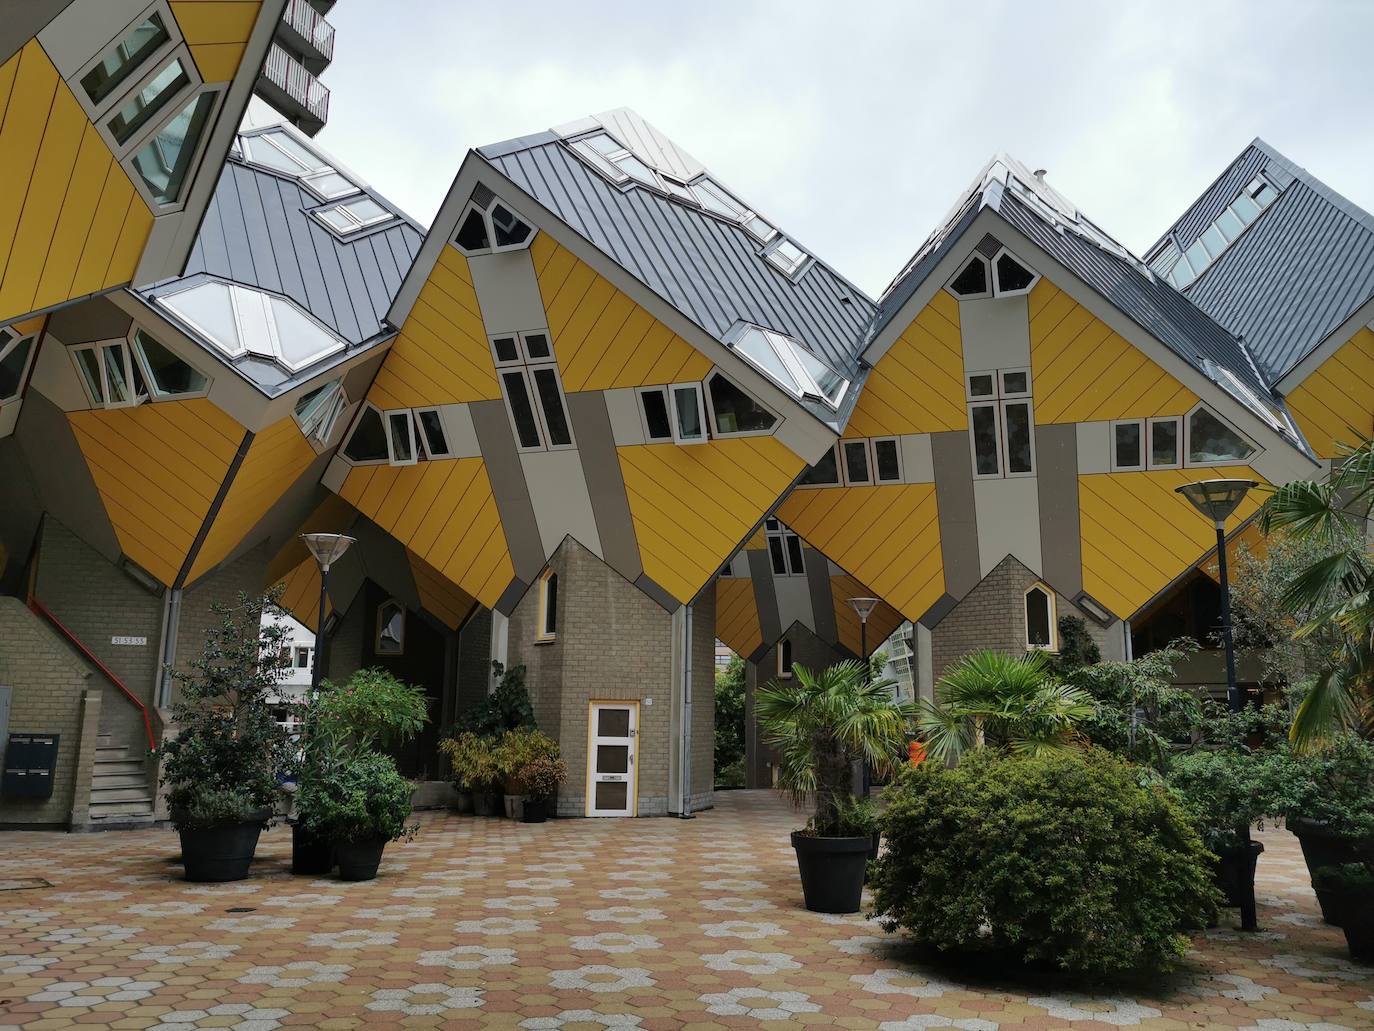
[(1128, 445), (984, 433), (144, 104), (510, 231), (1213, 442), (318, 412), (492, 229), (162, 166), (786, 257), (520, 404), (533, 390), (473, 234), (784, 550), (111, 376), (784, 659), (688, 412), (1041, 631), (1011, 275), (168, 375), (16, 353), (1249, 204), (604, 153), (123, 58), (826, 471), (429, 424), (391, 628), (279, 150), (1001, 423), (973, 280), (653, 410), (330, 184), (791, 366), (857, 467), (887, 460), (240, 320), (734, 412), (548, 606), (1166, 436), (1017, 427), (716, 199), (367, 443), (353, 215), (400, 437)]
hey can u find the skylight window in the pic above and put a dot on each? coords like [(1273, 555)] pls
[(15, 352), (1258, 194), (280, 151), (242, 321), (786, 257), (350, 216), (791, 366), (493, 228)]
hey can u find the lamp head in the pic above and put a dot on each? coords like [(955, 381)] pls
[(327, 548), (863, 606), (1216, 499)]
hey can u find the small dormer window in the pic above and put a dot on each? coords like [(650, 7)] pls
[(353, 215), (1249, 204), (494, 228), (973, 280), (1212, 442), (786, 257), (1012, 275), (791, 366), (318, 411)]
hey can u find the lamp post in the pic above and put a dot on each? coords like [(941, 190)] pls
[(862, 608), (327, 548), (1217, 500)]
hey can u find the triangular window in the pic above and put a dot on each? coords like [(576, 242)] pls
[(972, 280), (493, 228)]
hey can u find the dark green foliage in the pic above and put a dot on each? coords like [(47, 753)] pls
[(729, 762), (1076, 647), (353, 795), (1355, 878), (504, 709), (374, 707), (1066, 859), (222, 765), (1226, 790), (1335, 787)]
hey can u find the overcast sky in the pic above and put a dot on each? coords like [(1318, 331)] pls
[(856, 125)]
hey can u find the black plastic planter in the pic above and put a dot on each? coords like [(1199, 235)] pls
[(873, 852), (224, 853), (310, 854), (358, 860), (463, 804), (1355, 915), (1321, 849), (536, 810), (832, 871), (486, 803), (1236, 872)]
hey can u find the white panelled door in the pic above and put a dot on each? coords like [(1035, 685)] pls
[(612, 787)]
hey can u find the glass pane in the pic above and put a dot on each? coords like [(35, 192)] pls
[(254, 333), (1182, 274), (263, 153), (776, 556), (368, 443), (433, 429), (338, 220), (829, 383), (611, 795), (1018, 438), (760, 228), (637, 170), (1265, 196), (309, 407), (506, 350), (980, 385), (787, 256), (526, 427), (885, 457), (1229, 224), (713, 198), (509, 229), (127, 55), (1197, 257), (391, 620), (972, 280), (613, 722), (301, 339), (1164, 443), (1014, 383), (551, 604), (612, 758), (855, 461), (754, 345), (1245, 209), (306, 158), (472, 234), (551, 400), (402, 449), (147, 101), (537, 346), (163, 161), (655, 404), (794, 555), (687, 402), (1213, 241), (1127, 445), (677, 189), (984, 420), (826, 470), (366, 210), (1012, 275), (89, 365), (115, 379), (170, 374), (734, 410), (12, 367), (1037, 619), (331, 184), (1211, 440)]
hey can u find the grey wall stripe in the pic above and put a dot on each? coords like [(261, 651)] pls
[(765, 596), (822, 598), (605, 485), (24, 20), (958, 519), (95, 319), (215, 506), (511, 596), (385, 562), (657, 593), (938, 611), (497, 443), (1056, 459)]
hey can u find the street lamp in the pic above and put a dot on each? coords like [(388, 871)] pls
[(863, 607), (327, 548), (1217, 500)]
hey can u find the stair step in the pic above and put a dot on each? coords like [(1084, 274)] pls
[(113, 752), (116, 767), (102, 794), (102, 781), (120, 810)]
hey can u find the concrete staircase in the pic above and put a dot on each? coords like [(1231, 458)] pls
[(119, 786)]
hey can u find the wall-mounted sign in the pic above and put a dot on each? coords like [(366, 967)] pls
[(135, 642)]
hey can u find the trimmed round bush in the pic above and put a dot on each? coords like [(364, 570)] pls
[(1069, 859)]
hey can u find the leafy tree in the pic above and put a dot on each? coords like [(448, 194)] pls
[(993, 699), (1076, 647), (729, 744), (506, 708), (373, 707)]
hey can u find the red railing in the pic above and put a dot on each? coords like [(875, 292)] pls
[(42, 610), (291, 77), (310, 25)]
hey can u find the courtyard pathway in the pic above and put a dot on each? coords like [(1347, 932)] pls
[(576, 923)]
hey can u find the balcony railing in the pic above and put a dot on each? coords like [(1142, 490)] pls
[(311, 27), (301, 88)]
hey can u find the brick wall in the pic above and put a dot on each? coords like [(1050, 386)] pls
[(46, 681), (344, 650), (474, 660), (993, 615), (703, 778), (222, 586), (808, 650)]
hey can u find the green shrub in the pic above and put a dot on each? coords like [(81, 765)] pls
[(1335, 787), (507, 707), (1224, 791), (374, 707), (517, 749), (1064, 859), (729, 717), (360, 796), (473, 760), (541, 776)]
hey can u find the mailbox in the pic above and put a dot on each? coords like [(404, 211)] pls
[(30, 762)]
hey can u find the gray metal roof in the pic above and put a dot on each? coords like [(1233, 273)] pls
[(707, 268), (1293, 276)]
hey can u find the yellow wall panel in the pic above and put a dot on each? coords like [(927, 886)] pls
[(602, 338), (276, 458), (440, 597), (1081, 371), (1138, 535), (451, 523), (158, 468), (217, 31), (918, 385), (217, 62), (888, 537), (332, 515), (1334, 405), (881, 621), (301, 593), (737, 615), (692, 506)]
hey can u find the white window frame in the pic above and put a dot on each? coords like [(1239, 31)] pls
[(506, 363), (845, 478), (12, 345), (1140, 425), (996, 282), (792, 270), (1052, 611), (896, 442), (97, 348), (163, 207), (409, 415), (422, 438), (153, 393), (543, 635), (784, 653), (999, 400), (174, 102), (700, 394), (358, 224), (158, 58), (308, 180), (987, 271), (1177, 420), (492, 246), (711, 409), (322, 426), (1011, 395), (1185, 454), (237, 303), (649, 438), (1004, 443), (527, 366), (773, 529), (839, 473), (996, 407), (353, 429)]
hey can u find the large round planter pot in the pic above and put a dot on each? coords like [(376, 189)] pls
[(310, 853), (358, 860), (463, 805), (832, 871), (1321, 848), (1355, 915), (515, 806), (222, 853), (1235, 872), (536, 810), (485, 803), (873, 852)]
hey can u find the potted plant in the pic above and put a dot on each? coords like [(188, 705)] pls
[(358, 800), (517, 749), (221, 767), (541, 777), (821, 725), (1349, 887), (474, 762)]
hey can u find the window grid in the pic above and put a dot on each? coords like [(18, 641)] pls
[(1001, 423), (784, 549), (533, 390)]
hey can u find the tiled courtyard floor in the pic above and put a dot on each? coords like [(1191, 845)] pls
[(576, 923)]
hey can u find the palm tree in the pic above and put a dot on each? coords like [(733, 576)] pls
[(1335, 592), (820, 724), (990, 698)]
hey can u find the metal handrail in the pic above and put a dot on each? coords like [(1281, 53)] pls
[(311, 26), (296, 82), (42, 610)]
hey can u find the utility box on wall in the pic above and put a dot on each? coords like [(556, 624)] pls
[(30, 764)]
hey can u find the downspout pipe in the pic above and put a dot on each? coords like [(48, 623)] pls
[(171, 623), (685, 776)]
